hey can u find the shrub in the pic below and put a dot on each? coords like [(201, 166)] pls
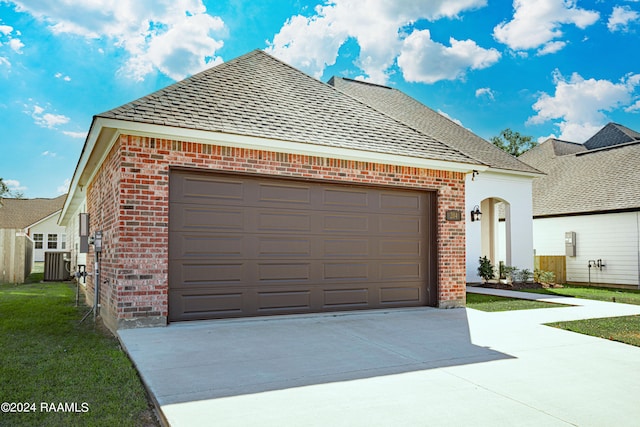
[(542, 276), (486, 270), (522, 276)]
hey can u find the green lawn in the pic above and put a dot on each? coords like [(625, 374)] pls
[(49, 360), (496, 303), (624, 329), (600, 294)]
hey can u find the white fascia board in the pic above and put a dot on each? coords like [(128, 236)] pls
[(518, 173), (307, 149), (89, 162)]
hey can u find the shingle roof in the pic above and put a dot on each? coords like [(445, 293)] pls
[(417, 115), (540, 155), (21, 213), (612, 134), (586, 181), (258, 95)]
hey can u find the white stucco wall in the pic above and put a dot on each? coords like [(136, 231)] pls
[(614, 238), (517, 191), (46, 227)]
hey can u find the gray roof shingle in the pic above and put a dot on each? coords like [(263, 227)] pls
[(258, 95), (611, 134), (584, 181), (21, 213), (417, 115)]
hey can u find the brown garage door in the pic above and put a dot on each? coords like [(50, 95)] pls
[(250, 246)]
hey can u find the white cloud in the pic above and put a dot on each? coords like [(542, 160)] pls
[(64, 188), (551, 47), (633, 107), (621, 17), (63, 77), (537, 24), (49, 154), (78, 135), (423, 60), (4, 61), (47, 120), (14, 185), (176, 37), (580, 104), (485, 91), (311, 43), (15, 44)]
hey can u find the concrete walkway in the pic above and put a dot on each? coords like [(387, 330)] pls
[(408, 367)]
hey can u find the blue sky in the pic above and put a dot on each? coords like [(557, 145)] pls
[(558, 68)]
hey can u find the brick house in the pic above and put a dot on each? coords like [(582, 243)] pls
[(253, 189)]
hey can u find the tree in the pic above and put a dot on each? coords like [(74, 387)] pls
[(3, 188), (513, 142)]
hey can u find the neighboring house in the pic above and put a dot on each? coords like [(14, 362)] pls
[(36, 220), (253, 189), (591, 190), (502, 191)]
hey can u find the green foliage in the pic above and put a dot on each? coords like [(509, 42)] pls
[(513, 142), (486, 270), (541, 276), (522, 276)]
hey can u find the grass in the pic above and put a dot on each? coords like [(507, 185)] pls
[(49, 357), (624, 329), (601, 294), (496, 303)]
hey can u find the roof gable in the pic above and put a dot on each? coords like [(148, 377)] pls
[(21, 213), (260, 96), (408, 110), (611, 134)]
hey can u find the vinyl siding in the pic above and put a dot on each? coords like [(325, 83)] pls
[(614, 238)]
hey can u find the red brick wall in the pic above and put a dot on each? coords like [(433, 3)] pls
[(129, 201)]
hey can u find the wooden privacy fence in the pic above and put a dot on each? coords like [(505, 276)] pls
[(555, 264)]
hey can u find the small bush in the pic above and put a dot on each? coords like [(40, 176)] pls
[(522, 276), (545, 277), (486, 270)]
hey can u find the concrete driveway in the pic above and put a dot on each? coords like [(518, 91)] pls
[(409, 367)]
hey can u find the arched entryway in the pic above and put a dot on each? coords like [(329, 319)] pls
[(496, 231)]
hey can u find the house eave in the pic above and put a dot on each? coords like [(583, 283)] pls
[(104, 133), (586, 213)]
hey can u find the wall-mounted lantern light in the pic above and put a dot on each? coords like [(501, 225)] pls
[(476, 214)]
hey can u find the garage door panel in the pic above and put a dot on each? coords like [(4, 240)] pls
[(205, 246), (206, 218), (199, 275), (283, 246), (335, 298), (401, 295), (354, 247), (405, 203), (204, 304), (345, 198), (270, 221), (283, 272), (282, 193), (334, 223), (284, 300), (210, 190), (400, 270), (259, 246), (408, 247), (393, 224)]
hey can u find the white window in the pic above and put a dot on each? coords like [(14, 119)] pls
[(37, 240), (52, 241), (63, 242)]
